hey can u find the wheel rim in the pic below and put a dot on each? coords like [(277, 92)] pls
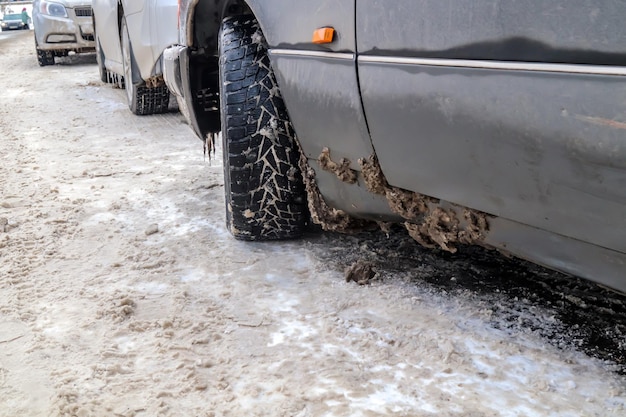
[(128, 73)]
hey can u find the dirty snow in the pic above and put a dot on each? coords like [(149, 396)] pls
[(100, 318)]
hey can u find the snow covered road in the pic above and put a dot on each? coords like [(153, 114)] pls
[(122, 293)]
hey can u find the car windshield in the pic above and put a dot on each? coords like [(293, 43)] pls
[(12, 17)]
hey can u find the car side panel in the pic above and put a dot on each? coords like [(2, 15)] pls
[(566, 31), (542, 148), (290, 24), (152, 28), (321, 94), (107, 32)]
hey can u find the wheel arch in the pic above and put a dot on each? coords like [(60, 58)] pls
[(204, 20)]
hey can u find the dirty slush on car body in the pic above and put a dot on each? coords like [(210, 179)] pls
[(375, 139), (264, 209)]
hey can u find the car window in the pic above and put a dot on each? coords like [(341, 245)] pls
[(12, 17)]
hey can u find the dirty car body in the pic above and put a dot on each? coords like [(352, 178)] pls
[(468, 124), (62, 26), (150, 27)]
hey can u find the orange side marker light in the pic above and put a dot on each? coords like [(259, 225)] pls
[(323, 35)]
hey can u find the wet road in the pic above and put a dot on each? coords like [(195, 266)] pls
[(567, 312)]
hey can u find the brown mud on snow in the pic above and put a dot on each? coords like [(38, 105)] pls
[(362, 272), (4, 224), (429, 224)]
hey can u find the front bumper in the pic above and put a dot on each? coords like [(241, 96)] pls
[(176, 75), (13, 25), (171, 69), (64, 33)]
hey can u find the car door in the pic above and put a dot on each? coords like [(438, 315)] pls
[(107, 32), (513, 107)]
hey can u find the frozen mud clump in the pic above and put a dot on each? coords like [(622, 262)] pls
[(342, 169), (329, 218), (152, 229), (430, 224), (362, 272)]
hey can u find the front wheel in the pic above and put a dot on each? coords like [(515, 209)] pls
[(265, 195), (45, 58), (142, 100)]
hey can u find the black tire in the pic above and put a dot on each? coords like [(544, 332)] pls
[(265, 194), (45, 58), (142, 100)]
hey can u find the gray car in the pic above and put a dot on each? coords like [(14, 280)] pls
[(61, 27), (467, 123)]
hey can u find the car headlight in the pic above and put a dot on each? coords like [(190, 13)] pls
[(52, 9)]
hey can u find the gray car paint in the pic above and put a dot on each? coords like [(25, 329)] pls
[(544, 149), (332, 99), (570, 31), (290, 24), (519, 145), (539, 147)]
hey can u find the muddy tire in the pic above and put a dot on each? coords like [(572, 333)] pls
[(265, 195), (45, 58), (142, 100)]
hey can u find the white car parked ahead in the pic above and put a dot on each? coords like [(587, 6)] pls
[(130, 37)]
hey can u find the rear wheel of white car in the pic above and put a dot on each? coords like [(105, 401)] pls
[(142, 99), (265, 195)]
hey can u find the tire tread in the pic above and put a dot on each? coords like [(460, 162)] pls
[(265, 193)]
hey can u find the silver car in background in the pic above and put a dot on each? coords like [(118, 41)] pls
[(13, 21), (130, 39), (62, 26)]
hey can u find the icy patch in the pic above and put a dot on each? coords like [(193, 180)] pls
[(151, 287), (124, 344), (292, 331)]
